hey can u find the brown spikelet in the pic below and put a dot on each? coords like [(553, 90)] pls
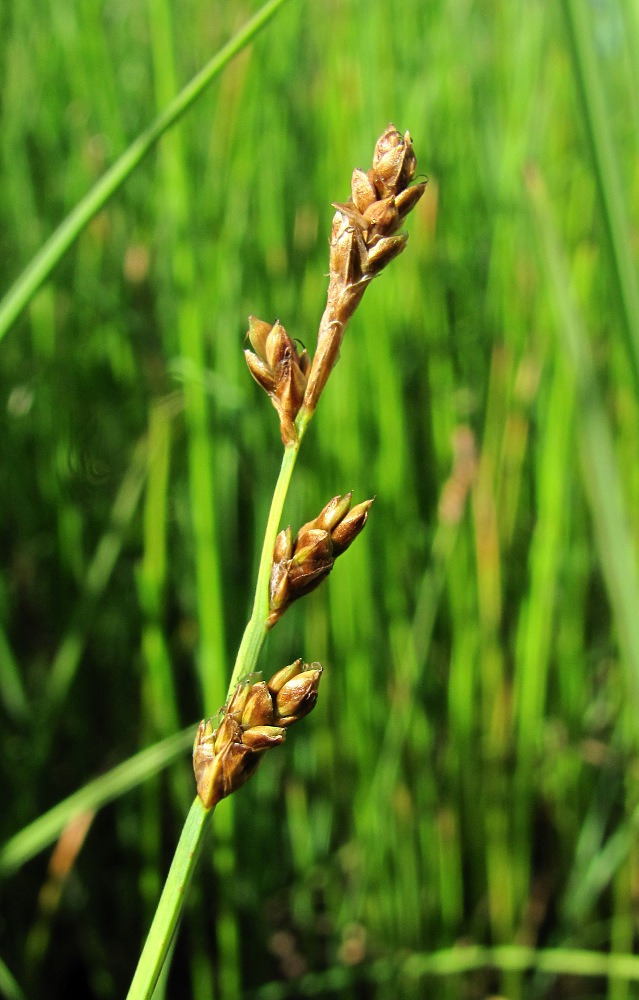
[(281, 371), (254, 720), (364, 240), (300, 566)]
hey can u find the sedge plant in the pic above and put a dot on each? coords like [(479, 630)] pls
[(365, 237)]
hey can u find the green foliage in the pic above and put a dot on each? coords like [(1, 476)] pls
[(470, 771)]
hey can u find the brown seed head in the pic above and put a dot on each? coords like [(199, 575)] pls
[(300, 566), (254, 720), (279, 369), (364, 240)]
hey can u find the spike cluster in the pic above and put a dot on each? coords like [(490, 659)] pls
[(300, 564), (280, 369), (364, 240), (253, 720)]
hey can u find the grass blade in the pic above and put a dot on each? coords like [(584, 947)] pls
[(599, 466), (44, 830), (579, 19), (23, 290)]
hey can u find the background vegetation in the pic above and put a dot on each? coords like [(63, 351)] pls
[(470, 777)]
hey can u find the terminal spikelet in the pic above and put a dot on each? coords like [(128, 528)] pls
[(364, 239)]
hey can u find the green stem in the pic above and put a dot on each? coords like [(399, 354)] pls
[(189, 847), (600, 470), (169, 908), (41, 266), (597, 118), (257, 628)]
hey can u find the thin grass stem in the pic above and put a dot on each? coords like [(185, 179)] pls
[(256, 630), (189, 847), (579, 22), (46, 828), (170, 905), (556, 961), (599, 464), (68, 656), (41, 266), (9, 987)]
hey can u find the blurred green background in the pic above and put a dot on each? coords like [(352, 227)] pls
[(470, 774)]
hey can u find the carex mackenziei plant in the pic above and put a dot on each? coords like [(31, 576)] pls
[(365, 238)]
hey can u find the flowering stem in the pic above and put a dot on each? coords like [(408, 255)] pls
[(189, 846), (169, 908), (257, 628), (364, 239)]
